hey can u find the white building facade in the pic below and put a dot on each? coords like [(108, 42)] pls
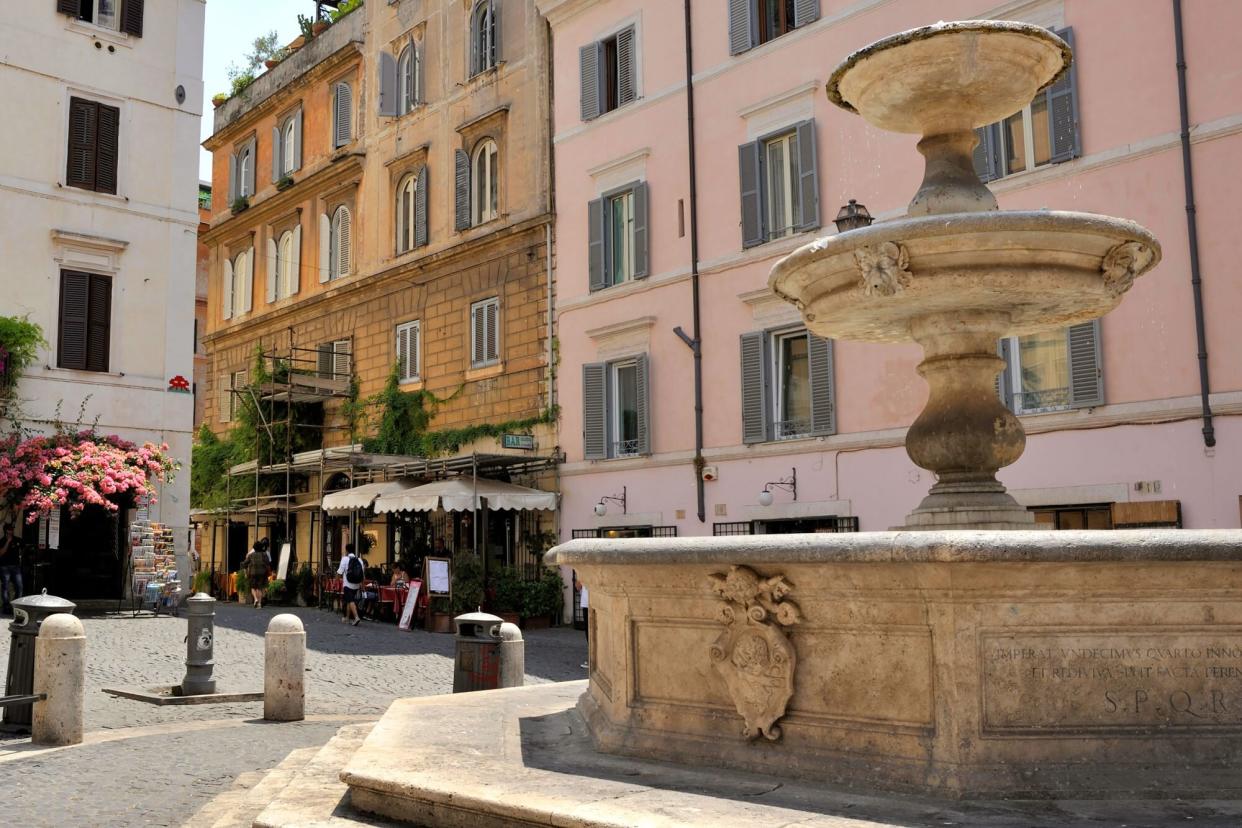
[(99, 213)]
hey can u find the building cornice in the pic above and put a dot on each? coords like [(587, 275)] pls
[(559, 11)]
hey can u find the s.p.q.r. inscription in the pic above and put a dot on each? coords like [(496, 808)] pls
[(1120, 682)]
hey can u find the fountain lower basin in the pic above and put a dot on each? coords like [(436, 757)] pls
[(960, 664)]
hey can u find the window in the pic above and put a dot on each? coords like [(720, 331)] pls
[(1052, 371), (788, 388), (484, 176), (1093, 516), (779, 179), (409, 351), (616, 405), (483, 40), (340, 255), (608, 74), (753, 22), (485, 332), (245, 166), (617, 241), (93, 145), (627, 532), (407, 79), (238, 284), (85, 321), (287, 146), (342, 114), (237, 384), (405, 214), (1043, 132), (335, 360), (118, 15), (823, 524), (241, 169), (286, 265), (400, 87)]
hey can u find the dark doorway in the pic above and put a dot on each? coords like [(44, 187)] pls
[(239, 544), (89, 563)]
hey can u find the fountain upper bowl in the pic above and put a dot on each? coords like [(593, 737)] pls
[(949, 77), (1042, 270)]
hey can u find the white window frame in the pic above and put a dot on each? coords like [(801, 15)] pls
[(488, 359), (485, 180), (614, 407), (482, 38), (407, 79), (244, 157), (286, 146), (1014, 370), (776, 340), (405, 213), (625, 243), (786, 227), (116, 15), (240, 261), (1028, 141), (413, 331), (336, 267), (284, 265)]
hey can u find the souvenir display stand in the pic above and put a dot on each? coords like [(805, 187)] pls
[(153, 568)]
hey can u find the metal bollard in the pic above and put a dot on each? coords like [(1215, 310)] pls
[(60, 667), (512, 656), (284, 662), (200, 642)]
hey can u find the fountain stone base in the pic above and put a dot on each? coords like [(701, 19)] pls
[(957, 664)]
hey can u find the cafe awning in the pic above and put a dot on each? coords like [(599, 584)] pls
[(458, 494), (359, 497)]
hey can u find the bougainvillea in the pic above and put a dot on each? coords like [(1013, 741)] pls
[(41, 474)]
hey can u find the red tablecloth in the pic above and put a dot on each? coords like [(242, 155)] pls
[(396, 596)]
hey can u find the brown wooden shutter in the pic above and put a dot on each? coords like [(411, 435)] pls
[(131, 17), (83, 131), (106, 149), (74, 302), (99, 324)]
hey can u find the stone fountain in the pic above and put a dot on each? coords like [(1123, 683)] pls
[(965, 660)]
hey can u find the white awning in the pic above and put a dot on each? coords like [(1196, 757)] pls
[(458, 494), (359, 497)]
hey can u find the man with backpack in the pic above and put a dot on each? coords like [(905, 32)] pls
[(352, 573)]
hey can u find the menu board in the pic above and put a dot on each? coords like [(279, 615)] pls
[(437, 576), (411, 600), (282, 569)]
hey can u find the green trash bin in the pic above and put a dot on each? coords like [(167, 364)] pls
[(28, 615)]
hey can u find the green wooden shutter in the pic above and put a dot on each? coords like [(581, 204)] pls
[(755, 420), (99, 324), (805, 11), (420, 207), (627, 67), (387, 85), (83, 142), (1062, 99), (741, 26), (1086, 367), (131, 17), (461, 199), (595, 411), (751, 182), (588, 80), (71, 344), (642, 384), (1004, 380), (597, 268), (823, 385), (807, 181), (107, 149), (641, 235), (987, 153)]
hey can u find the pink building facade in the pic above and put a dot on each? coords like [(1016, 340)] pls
[(1113, 412)]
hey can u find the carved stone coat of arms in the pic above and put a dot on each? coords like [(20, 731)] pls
[(753, 655)]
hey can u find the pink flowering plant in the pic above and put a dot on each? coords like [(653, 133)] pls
[(40, 474)]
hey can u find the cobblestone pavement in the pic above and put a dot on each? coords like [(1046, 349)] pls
[(175, 758)]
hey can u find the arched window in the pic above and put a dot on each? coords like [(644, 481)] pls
[(340, 258), (484, 175), (406, 191), (407, 79), (284, 266), (287, 138), (245, 166), (241, 286), (482, 36)]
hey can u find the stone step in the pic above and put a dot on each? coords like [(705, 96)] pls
[(315, 796), (249, 793)]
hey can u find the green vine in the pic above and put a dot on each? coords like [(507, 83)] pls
[(20, 340)]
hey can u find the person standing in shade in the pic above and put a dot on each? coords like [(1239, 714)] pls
[(585, 604), (10, 566), (352, 572), (256, 565)]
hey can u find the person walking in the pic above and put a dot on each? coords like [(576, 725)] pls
[(352, 572), (256, 565), (10, 566)]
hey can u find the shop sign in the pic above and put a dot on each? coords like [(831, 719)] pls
[(526, 442)]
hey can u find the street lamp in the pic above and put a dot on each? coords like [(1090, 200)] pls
[(852, 217), (789, 484), (601, 508)]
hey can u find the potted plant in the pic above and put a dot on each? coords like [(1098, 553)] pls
[(439, 619), (306, 586), (275, 590), (542, 600), (243, 587), (468, 583), (285, 182), (202, 582), (239, 204), (218, 99), (307, 26), (506, 595), (319, 27)]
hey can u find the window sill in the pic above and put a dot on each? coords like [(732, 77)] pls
[(113, 36), (786, 238), (411, 384), (119, 199), (485, 371)]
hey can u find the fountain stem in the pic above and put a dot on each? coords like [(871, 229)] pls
[(950, 184)]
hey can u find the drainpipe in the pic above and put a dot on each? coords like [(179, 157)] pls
[(695, 341), (1192, 230)]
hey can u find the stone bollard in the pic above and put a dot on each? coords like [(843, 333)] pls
[(60, 667), (200, 610), (284, 689), (512, 656)]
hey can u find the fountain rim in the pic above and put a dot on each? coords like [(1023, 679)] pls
[(937, 30), (910, 547)]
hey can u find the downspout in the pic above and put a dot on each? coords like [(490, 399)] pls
[(1192, 230), (695, 341)]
